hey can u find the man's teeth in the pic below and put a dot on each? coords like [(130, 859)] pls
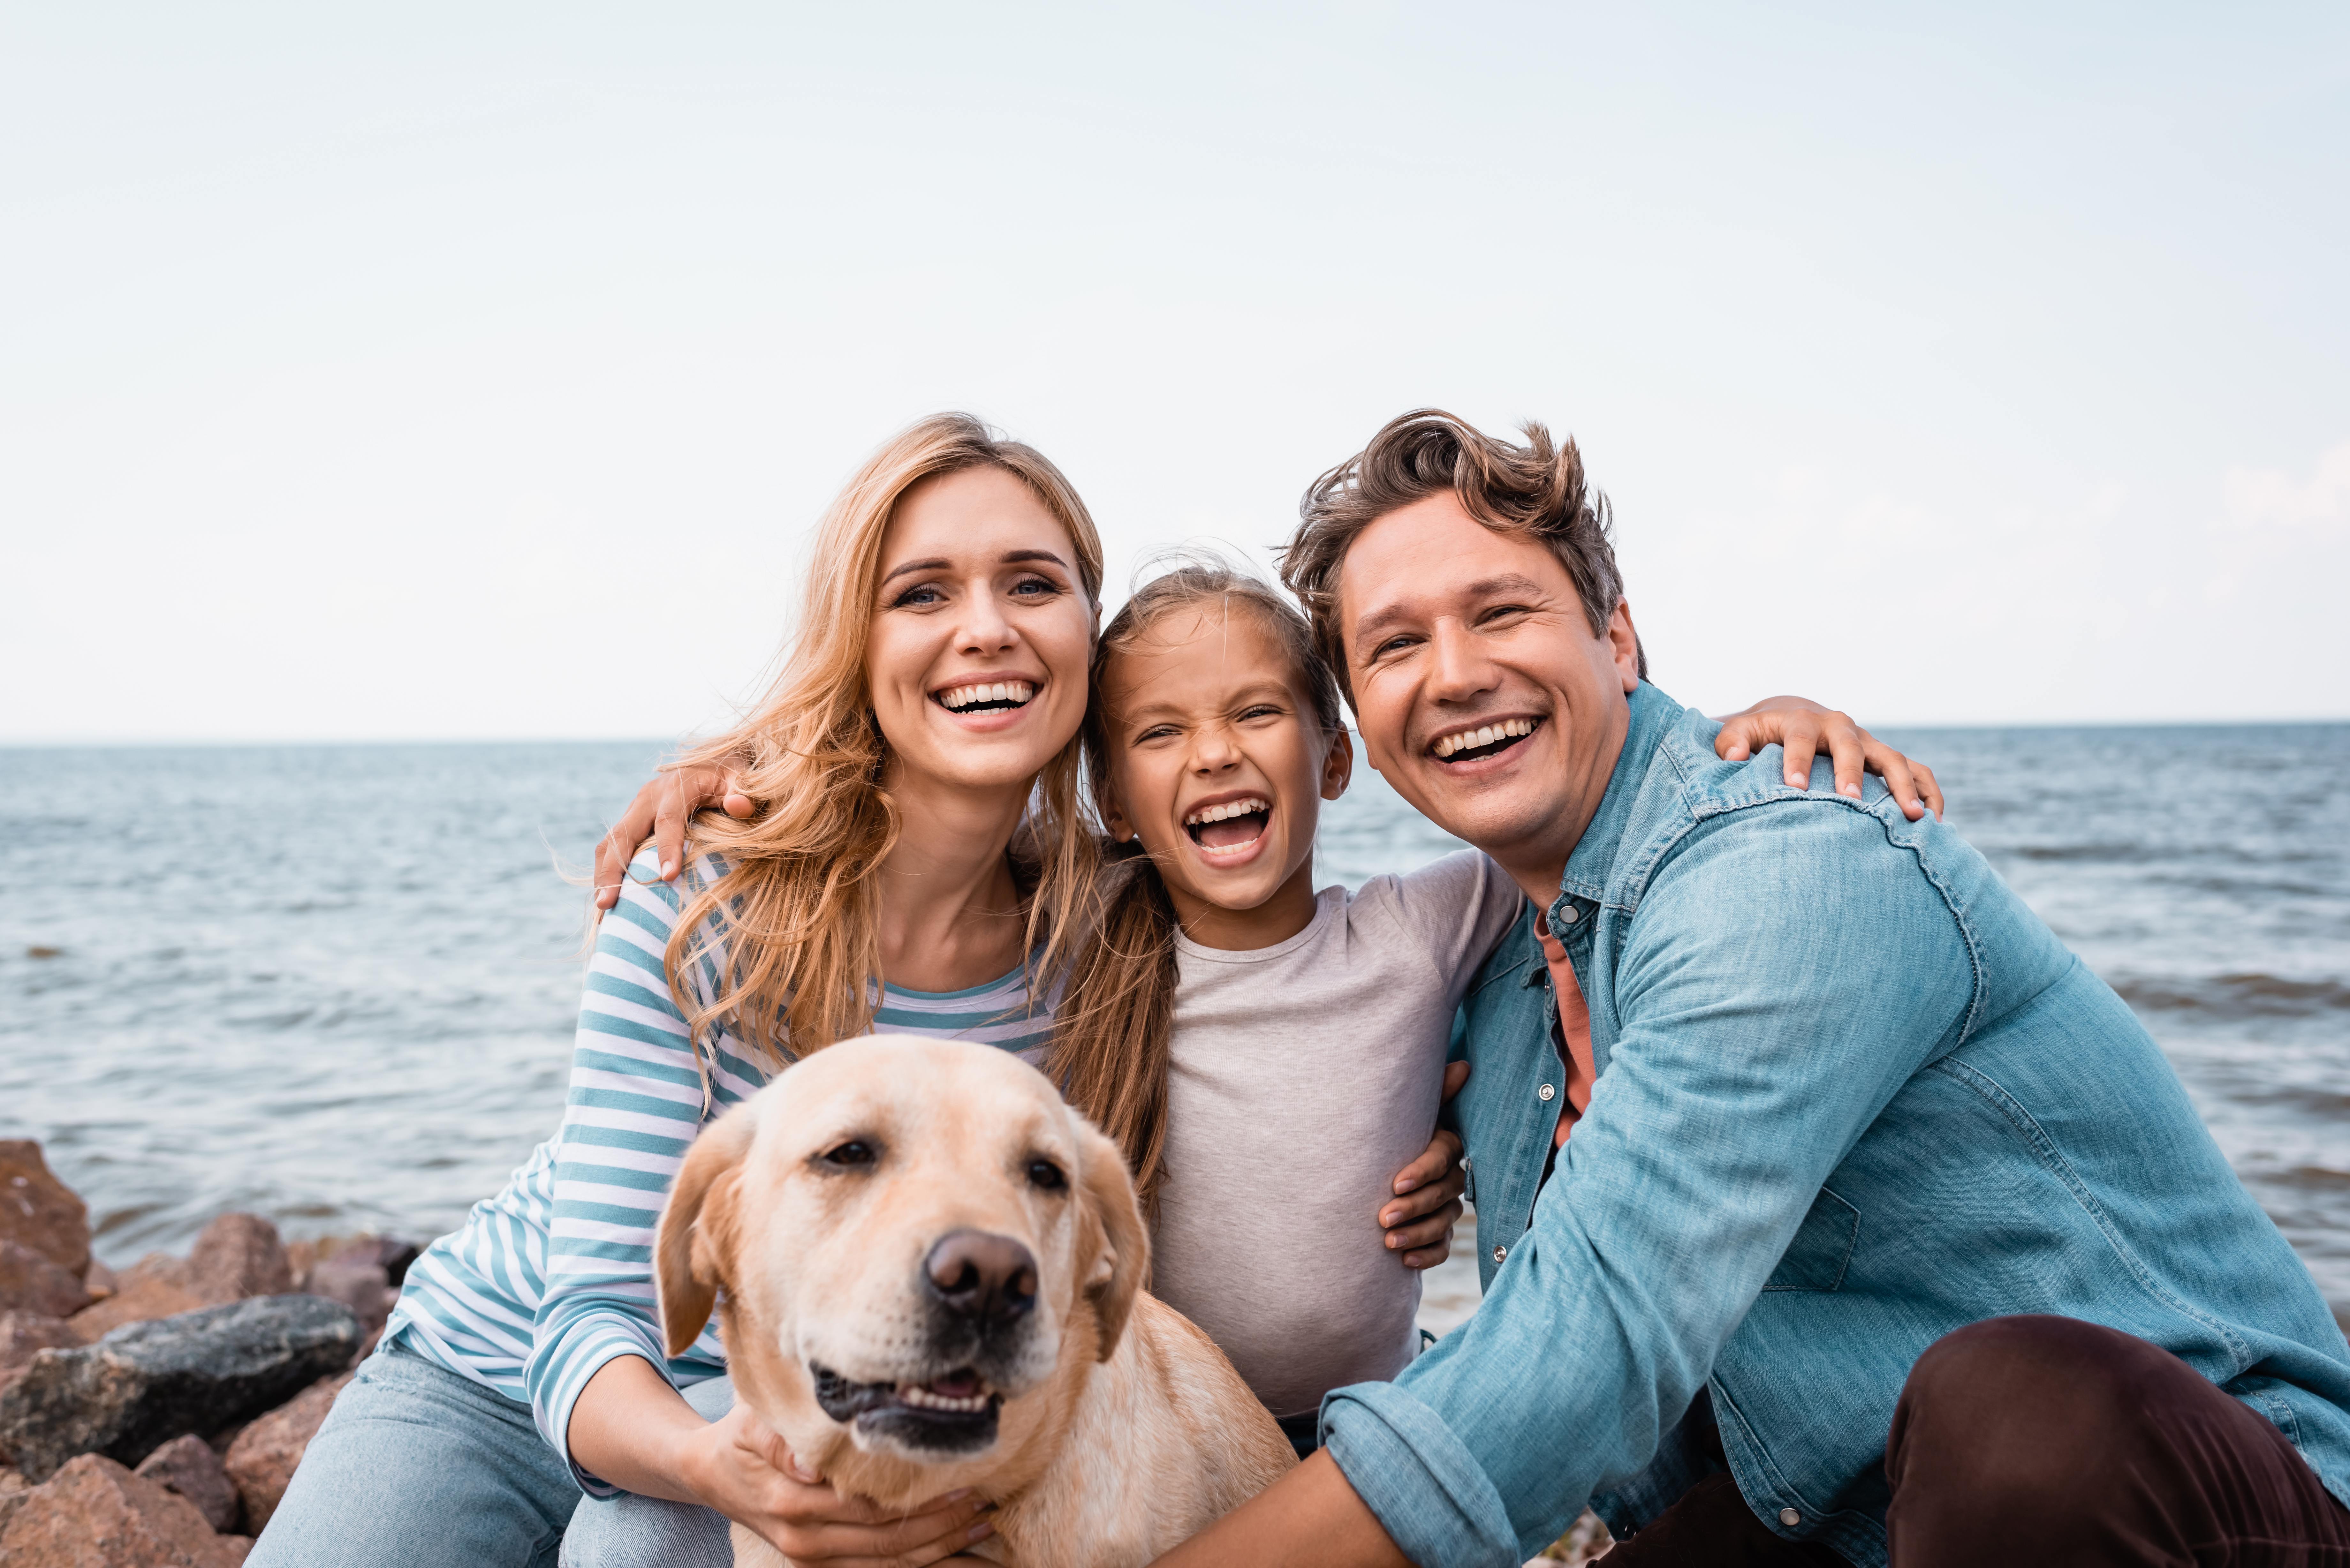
[(923, 1399), (997, 691), (1470, 739), (1229, 808)]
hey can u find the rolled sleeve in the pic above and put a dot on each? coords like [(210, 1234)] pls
[(588, 1341), (1429, 1493)]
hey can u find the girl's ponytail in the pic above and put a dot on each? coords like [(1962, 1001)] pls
[(1115, 1025)]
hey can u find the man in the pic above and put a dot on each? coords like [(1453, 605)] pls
[(1831, 1211)]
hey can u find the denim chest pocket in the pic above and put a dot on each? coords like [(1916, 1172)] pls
[(1816, 1258)]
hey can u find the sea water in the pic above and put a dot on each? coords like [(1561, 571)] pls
[(335, 985)]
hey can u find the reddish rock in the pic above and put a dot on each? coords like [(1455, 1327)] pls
[(38, 1211), (359, 1282), (238, 1255), (155, 1287), (101, 1281), (32, 1282), (188, 1466), (262, 1458), (23, 1332), (93, 1513)]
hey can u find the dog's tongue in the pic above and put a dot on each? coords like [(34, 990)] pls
[(1231, 830), (955, 1385)]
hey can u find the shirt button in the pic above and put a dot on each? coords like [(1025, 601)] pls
[(1790, 1518), (1544, 1092), (1500, 1254)]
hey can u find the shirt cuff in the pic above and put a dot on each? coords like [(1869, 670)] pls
[(1429, 1493), (590, 1344)]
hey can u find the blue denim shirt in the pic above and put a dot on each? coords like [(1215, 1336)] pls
[(1852, 1095)]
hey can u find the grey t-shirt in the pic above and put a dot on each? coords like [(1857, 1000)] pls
[(1304, 1076)]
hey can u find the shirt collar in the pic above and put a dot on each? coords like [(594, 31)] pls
[(1585, 885)]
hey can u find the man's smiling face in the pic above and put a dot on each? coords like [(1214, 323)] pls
[(1482, 694)]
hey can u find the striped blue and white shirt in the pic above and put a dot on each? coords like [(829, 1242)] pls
[(553, 1277)]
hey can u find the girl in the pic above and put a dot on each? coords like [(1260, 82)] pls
[(1298, 1036)]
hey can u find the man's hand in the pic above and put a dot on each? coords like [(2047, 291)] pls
[(1419, 1224), (1310, 1518), (1798, 725), (744, 1470), (660, 812)]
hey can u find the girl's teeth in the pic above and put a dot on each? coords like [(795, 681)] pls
[(1229, 808)]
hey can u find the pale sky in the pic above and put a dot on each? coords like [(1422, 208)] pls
[(475, 370)]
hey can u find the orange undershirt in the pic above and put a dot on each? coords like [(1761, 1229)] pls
[(1575, 1023)]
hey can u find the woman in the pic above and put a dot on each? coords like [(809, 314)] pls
[(917, 753)]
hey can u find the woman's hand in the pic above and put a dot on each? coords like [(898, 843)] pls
[(1798, 725), (660, 812), (1419, 1224), (744, 1471), (629, 1427)]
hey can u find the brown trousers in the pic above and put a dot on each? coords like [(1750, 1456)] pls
[(2025, 1441)]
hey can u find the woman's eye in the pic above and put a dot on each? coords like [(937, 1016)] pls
[(1047, 1177), (850, 1156), (915, 598), (1035, 588)]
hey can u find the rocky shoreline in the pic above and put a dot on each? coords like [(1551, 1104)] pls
[(156, 1417)]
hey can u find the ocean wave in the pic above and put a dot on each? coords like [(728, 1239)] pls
[(2237, 995)]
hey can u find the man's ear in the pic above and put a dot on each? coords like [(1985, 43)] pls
[(1116, 1273), (1624, 643), (694, 1244), (1338, 766)]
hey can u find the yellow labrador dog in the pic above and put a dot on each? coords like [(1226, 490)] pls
[(932, 1271)]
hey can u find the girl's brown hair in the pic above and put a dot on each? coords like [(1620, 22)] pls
[(790, 924), (1116, 1022)]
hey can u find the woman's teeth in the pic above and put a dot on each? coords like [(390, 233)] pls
[(1470, 739), (1229, 808), (1013, 692)]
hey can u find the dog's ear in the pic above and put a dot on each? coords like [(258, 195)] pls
[(694, 1243), (1124, 1263)]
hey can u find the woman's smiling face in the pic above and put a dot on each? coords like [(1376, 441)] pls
[(982, 633)]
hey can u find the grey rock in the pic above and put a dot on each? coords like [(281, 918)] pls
[(188, 1466), (147, 1383)]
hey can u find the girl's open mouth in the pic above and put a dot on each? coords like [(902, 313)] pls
[(985, 697), (1229, 826), (1485, 741)]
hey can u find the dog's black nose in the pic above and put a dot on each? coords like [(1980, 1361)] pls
[(988, 1279)]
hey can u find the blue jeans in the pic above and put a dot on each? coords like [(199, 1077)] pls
[(632, 1532), (417, 1467)]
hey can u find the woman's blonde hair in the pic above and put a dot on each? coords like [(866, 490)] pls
[(1113, 1038), (790, 924)]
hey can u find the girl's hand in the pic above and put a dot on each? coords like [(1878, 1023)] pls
[(1419, 1222), (660, 812), (1798, 725), (742, 1470)]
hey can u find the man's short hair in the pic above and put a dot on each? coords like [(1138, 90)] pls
[(1536, 490)]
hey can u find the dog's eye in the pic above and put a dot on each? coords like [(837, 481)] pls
[(849, 1156), (1046, 1174)]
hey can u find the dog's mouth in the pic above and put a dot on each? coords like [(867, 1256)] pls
[(955, 1414)]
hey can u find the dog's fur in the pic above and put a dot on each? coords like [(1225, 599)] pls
[(1121, 1428)]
